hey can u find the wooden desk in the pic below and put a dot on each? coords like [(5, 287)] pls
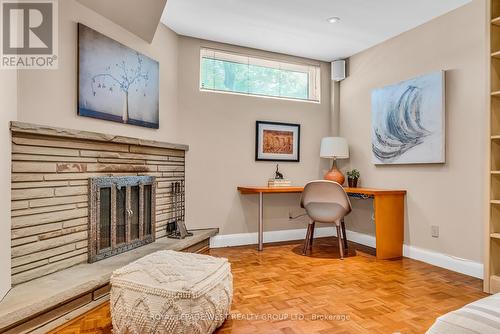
[(387, 204)]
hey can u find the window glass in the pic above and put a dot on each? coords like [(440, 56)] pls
[(228, 72), (105, 218)]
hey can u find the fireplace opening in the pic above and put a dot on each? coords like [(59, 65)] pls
[(122, 214)]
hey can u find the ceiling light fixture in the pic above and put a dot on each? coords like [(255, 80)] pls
[(333, 19)]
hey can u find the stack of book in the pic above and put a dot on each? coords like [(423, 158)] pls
[(279, 183)]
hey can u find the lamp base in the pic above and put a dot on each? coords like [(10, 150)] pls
[(335, 175)]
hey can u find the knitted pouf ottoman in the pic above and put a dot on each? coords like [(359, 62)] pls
[(171, 292)]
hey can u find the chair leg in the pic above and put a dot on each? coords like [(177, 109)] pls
[(311, 237), (306, 241), (342, 224), (339, 237)]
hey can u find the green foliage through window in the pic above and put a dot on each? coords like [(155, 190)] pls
[(255, 79)]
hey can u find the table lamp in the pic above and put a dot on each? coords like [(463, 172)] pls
[(334, 148)]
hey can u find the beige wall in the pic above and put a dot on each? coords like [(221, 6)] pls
[(450, 195), (218, 127), (50, 97), (220, 130), (8, 112)]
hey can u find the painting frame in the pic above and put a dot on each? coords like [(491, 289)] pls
[(409, 121), (287, 154), (137, 110)]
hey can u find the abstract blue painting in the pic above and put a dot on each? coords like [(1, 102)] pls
[(408, 121), (115, 82)]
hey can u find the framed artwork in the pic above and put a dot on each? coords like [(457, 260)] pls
[(115, 82), (408, 121), (277, 141)]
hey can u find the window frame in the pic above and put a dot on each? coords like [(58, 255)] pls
[(313, 70)]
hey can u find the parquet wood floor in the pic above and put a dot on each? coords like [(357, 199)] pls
[(97, 320), (279, 291)]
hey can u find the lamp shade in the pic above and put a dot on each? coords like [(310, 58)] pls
[(334, 147)]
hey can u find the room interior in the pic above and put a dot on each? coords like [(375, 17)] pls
[(218, 166)]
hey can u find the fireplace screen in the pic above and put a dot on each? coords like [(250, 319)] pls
[(122, 214)]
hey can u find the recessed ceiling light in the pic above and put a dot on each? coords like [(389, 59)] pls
[(333, 19)]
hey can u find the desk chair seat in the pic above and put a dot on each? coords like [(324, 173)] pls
[(325, 202)]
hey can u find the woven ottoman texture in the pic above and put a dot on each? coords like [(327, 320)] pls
[(171, 292)]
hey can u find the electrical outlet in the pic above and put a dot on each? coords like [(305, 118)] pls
[(435, 231)]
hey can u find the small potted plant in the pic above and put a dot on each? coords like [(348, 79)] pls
[(352, 178)]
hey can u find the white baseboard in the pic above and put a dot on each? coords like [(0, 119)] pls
[(360, 238), (453, 263), (241, 239), (450, 262)]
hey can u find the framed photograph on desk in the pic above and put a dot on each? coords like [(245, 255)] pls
[(277, 141)]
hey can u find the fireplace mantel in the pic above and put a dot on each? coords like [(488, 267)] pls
[(46, 130)]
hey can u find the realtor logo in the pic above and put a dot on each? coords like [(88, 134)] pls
[(28, 34)]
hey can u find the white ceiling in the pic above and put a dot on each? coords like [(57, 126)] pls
[(300, 27)]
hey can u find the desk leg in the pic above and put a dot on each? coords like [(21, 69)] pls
[(261, 221), (389, 225)]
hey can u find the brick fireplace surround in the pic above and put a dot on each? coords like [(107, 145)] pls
[(50, 172), (52, 279)]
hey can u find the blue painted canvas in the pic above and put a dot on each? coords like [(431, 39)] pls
[(408, 121), (116, 83)]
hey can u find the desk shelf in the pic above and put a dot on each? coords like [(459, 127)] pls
[(494, 282), (492, 235)]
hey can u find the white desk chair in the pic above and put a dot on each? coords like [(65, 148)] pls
[(325, 202)]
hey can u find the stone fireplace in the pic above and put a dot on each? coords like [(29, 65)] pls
[(66, 183)]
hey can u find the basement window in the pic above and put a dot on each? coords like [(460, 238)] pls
[(222, 71)]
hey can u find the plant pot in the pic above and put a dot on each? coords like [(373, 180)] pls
[(353, 183)]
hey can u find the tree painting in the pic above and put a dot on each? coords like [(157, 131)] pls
[(129, 78), (116, 83)]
